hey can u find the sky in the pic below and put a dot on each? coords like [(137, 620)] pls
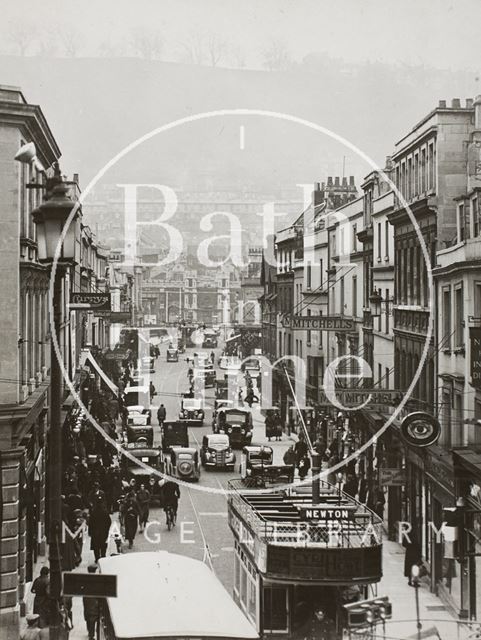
[(437, 33)]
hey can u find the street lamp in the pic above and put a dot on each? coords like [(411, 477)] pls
[(376, 301), (415, 581), (50, 219)]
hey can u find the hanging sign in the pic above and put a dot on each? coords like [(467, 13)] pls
[(318, 323), (89, 301), (475, 339)]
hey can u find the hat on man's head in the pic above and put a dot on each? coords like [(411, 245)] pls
[(44, 571), (92, 568), (31, 618)]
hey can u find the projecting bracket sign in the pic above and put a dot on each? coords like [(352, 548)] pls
[(90, 585), (318, 323), (89, 301)]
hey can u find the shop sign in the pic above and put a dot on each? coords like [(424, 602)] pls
[(475, 340), (115, 355), (326, 513), (318, 323), (90, 301), (392, 477), (356, 397), (243, 534), (90, 585), (362, 564)]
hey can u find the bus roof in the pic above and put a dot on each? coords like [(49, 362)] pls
[(165, 594)]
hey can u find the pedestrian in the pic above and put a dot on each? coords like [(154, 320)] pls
[(290, 456), (143, 498), (152, 390), (96, 495), (130, 517), (41, 602), (303, 466), (351, 486), (99, 527), (91, 610), (413, 555), (32, 631), (300, 449), (161, 415)]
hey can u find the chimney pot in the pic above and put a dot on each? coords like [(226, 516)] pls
[(442, 104), (336, 181), (75, 178), (469, 103), (455, 103)]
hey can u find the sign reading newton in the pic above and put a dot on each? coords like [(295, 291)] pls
[(318, 323)]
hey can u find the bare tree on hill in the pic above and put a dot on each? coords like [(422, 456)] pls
[(146, 43), (276, 56), (21, 34)]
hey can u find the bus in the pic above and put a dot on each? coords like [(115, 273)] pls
[(163, 595)]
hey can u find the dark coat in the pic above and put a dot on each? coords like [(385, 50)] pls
[(413, 556), (99, 526)]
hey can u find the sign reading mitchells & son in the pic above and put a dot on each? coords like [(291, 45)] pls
[(475, 339), (318, 323)]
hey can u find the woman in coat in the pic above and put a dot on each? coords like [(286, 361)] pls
[(413, 555), (99, 527), (130, 517), (143, 498)]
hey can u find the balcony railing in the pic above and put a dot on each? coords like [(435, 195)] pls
[(363, 529)]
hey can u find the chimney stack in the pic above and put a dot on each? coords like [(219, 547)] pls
[(351, 181), (317, 186), (469, 103), (442, 104), (329, 181), (344, 182), (336, 181), (455, 103), (477, 112)]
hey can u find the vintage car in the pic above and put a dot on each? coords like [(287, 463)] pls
[(184, 463), (206, 376), (210, 339), (217, 452), (236, 423), (174, 434), (256, 468), (232, 363), (137, 401), (151, 456), (172, 355), (139, 433), (192, 411)]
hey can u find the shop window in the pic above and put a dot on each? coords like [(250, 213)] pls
[(459, 311), (275, 609), (446, 343), (251, 598)]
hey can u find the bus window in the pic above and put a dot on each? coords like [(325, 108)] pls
[(275, 609)]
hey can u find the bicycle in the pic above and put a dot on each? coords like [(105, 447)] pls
[(171, 516)]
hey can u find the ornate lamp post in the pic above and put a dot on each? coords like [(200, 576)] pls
[(50, 218)]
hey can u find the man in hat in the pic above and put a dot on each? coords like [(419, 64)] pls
[(91, 609), (32, 631)]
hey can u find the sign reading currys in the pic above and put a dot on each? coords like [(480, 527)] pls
[(90, 301)]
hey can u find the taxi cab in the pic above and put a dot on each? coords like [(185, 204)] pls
[(217, 452)]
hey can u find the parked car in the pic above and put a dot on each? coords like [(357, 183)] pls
[(192, 411), (151, 456), (174, 434), (217, 452), (206, 375), (236, 423), (172, 355), (184, 463)]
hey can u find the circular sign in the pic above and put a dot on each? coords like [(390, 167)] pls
[(420, 429)]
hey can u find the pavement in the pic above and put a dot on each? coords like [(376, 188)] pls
[(202, 531)]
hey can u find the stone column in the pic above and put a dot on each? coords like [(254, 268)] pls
[(9, 544)]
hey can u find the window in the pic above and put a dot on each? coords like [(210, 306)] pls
[(386, 377), (342, 296), (431, 167), (461, 229), (423, 171), (354, 238), (410, 179), (459, 311), (275, 609), (308, 332), (379, 375), (354, 296), (379, 241), (387, 309), (309, 276), (386, 239), (477, 300), (321, 274), (446, 341), (416, 175), (475, 217)]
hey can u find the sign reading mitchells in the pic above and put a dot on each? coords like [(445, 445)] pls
[(357, 397), (318, 323), (88, 300), (475, 339)]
